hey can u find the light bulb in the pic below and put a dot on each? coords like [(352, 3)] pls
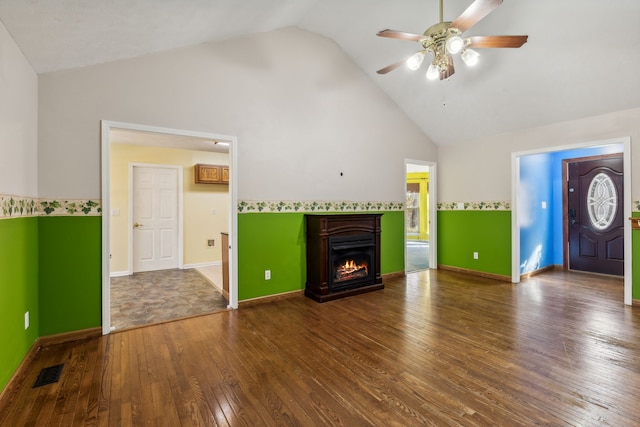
[(454, 44), (415, 60), (433, 72), (470, 57)]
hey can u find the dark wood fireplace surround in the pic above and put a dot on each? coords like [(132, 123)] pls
[(322, 232)]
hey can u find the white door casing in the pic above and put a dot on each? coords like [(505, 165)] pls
[(433, 199), (155, 217), (106, 127), (515, 221)]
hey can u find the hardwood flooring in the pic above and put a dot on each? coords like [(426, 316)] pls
[(433, 348)]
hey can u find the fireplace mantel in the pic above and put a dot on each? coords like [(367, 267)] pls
[(325, 230)]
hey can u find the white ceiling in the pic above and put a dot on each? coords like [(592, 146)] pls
[(582, 57)]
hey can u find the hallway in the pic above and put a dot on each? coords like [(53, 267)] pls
[(157, 296)]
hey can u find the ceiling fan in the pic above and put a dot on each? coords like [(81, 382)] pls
[(444, 39)]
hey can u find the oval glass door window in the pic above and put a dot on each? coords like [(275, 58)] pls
[(602, 201)]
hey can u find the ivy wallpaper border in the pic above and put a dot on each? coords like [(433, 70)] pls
[(12, 206), (475, 206), (18, 206), (496, 206), (252, 206)]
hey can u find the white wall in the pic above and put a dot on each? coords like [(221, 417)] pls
[(18, 121), (481, 170), (302, 112)]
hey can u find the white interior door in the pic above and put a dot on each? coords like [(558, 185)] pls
[(154, 218)]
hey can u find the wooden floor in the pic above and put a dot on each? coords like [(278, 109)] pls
[(434, 348)]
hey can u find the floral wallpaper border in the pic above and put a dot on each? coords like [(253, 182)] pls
[(16, 206), (247, 206), (496, 206), (475, 206), (251, 206)]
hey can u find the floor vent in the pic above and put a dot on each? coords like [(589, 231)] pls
[(49, 375)]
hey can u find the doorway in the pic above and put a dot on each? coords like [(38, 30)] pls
[(537, 233), (594, 223), (180, 141), (420, 253)]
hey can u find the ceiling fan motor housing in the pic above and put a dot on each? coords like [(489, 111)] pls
[(438, 34)]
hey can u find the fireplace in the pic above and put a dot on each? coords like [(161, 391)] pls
[(343, 255)]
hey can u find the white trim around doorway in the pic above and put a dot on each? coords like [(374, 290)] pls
[(515, 224), (433, 211), (106, 127)]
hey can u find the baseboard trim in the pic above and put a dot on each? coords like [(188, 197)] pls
[(493, 276), (6, 396), (540, 271), (270, 298), (20, 374), (119, 274), (201, 265), (70, 336), (635, 303), (394, 275)]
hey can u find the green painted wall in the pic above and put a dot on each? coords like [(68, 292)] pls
[(70, 279), (276, 242), (461, 233), (18, 292), (392, 242), (635, 259)]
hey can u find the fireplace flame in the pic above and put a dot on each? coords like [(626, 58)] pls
[(351, 270), (350, 266)]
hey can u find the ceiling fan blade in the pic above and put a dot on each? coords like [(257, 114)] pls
[(392, 67), (497, 41), (393, 34), (474, 13), (450, 69)]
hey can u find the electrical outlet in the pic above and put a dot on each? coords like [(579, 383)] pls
[(267, 275), (475, 255), (211, 242), (26, 320)]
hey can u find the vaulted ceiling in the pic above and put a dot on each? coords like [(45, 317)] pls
[(582, 57)]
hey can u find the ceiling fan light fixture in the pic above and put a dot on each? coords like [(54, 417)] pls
[(470, 57), (433, 72), (454, 44), (415, 60)]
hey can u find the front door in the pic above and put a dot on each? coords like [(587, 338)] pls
[(595, 214), (155, 218)]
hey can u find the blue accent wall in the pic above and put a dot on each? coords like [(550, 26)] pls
[(541, 241), (535, 212)]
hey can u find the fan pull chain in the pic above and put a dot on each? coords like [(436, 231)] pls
[(444, 93)]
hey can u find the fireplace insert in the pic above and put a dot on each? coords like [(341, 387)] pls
[(343, 255), (352, 261)]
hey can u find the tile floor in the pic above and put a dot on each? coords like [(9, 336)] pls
[(156, 296), (417, 255)]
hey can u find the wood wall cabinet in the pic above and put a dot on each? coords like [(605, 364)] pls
[(211, 174)]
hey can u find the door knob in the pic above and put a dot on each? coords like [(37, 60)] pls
[(136, 225)]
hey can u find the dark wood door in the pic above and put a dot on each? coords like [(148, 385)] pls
[(595, 215)]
